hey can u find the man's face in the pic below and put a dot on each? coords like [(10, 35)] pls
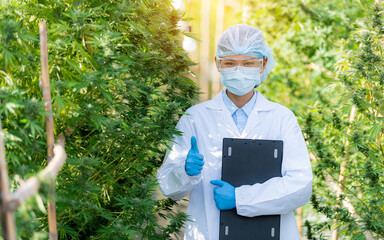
[(242, 60)]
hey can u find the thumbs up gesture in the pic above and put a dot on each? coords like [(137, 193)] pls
[(194, 162)]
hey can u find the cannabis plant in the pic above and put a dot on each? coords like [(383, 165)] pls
[(119, 83), (347, 139)]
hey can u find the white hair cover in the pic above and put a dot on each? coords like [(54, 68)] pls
[(245, 40)]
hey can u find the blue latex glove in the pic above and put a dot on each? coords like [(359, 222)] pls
[(194, 162), (224, 195)]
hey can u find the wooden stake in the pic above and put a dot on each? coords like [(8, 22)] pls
[(49, 124), (219, 29), (204, 71), (7, 219), (300, 220)]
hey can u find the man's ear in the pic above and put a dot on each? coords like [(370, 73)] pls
[(216, 64), (265, 60)]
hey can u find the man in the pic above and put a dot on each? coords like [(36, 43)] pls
[(194, 163)]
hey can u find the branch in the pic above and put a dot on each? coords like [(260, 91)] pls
[(348, 204), (31, 186)]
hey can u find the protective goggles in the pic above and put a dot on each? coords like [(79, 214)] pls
[(252, 63)]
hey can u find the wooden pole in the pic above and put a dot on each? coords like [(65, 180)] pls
[(220, 11), (300, 220), (49, 125), (204, 64), (7, 219)]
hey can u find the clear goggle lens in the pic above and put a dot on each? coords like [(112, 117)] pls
[(224, 63)]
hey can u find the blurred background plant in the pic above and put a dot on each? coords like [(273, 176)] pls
[(346, 137), (329, 71), (119, 83)]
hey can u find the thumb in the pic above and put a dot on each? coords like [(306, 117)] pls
[(217, 182), (194, 144)]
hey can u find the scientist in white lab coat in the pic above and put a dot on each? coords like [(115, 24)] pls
[(194, 162)]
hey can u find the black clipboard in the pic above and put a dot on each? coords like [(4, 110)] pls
[(246, 162)]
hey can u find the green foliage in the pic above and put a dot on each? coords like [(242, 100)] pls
[(305, 37), (118, 87), (355, 143), (329, 60)]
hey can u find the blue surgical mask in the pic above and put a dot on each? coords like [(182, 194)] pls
[(240, 80)]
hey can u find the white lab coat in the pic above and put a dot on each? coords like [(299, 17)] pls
[(210, 122)]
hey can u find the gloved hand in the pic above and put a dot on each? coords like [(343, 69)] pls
[(194, 162), (224, 195)]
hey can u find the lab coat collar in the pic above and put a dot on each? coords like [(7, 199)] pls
[(262, 104), (232, 108)]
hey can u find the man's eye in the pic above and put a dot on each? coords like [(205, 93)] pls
[(250, 63), (228, 63)]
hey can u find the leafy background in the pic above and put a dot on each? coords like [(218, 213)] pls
[(329, 71), (119, 83)]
